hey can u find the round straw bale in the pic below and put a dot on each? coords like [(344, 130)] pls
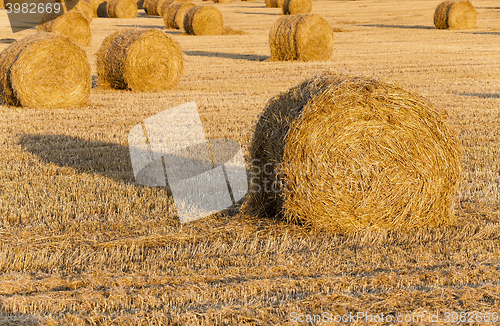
[(175, 14), (293, 7), (274, 3), (203, 20), (455, 15), (163, 5), (72, 24), (222, 1), (122, 8), (345, 153), (99, 8), (85, 9), (151, 7), (301, 37), (140, 4), (44, 70), (140, 60)]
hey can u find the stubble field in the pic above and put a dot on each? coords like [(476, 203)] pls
[(82, 244)]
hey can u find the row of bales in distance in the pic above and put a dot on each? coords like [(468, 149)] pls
[(316, 135)]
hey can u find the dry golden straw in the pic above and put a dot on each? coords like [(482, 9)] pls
[(229, 31), (293, 7), (122, 8), (176, 12), (140, 60), (455, 15), (343, 153), (204, 20), (301, 37), (45, 70), (72, 24), (222, 1), (99, 8)]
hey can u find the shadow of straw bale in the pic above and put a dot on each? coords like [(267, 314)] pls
[(7, 40), (398, 26), (249, 57), (20, 320), (481, 95), (85, 156)]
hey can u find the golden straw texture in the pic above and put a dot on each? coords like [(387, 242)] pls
[(344, 153), (175, 14), (293, 7), (45, 70), (455, 15), (151, 7), (204, 20), (122, 8), (301, 37), (72, 24), (140, 60)]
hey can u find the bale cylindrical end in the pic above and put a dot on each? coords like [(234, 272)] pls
[(343, 153)]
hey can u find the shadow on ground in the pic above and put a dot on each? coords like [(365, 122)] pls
[(85, 156), (235, 56), (398, 26), (482, 95), (483, 33)]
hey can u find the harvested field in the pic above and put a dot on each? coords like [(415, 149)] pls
[(82, 244)]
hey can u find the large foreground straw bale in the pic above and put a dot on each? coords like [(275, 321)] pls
[(44, 70), (455, 15), (301, 37), (140, 60), (344, 153), (293, 7), (99, 8), (72, 24), (122, 8), (176, 12), (203, 20)]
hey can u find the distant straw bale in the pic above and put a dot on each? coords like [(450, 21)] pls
[(162, 6), (274, 3), (140, 60), (99, 8), (301, 37), (455, 15), (122, 8), (229, 31), (344, 153), (83, 7), (140, 4), (151, 7), (72, 24), (45, 70), (204, 20), (222, 1), (176, 12), (293, 7)]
